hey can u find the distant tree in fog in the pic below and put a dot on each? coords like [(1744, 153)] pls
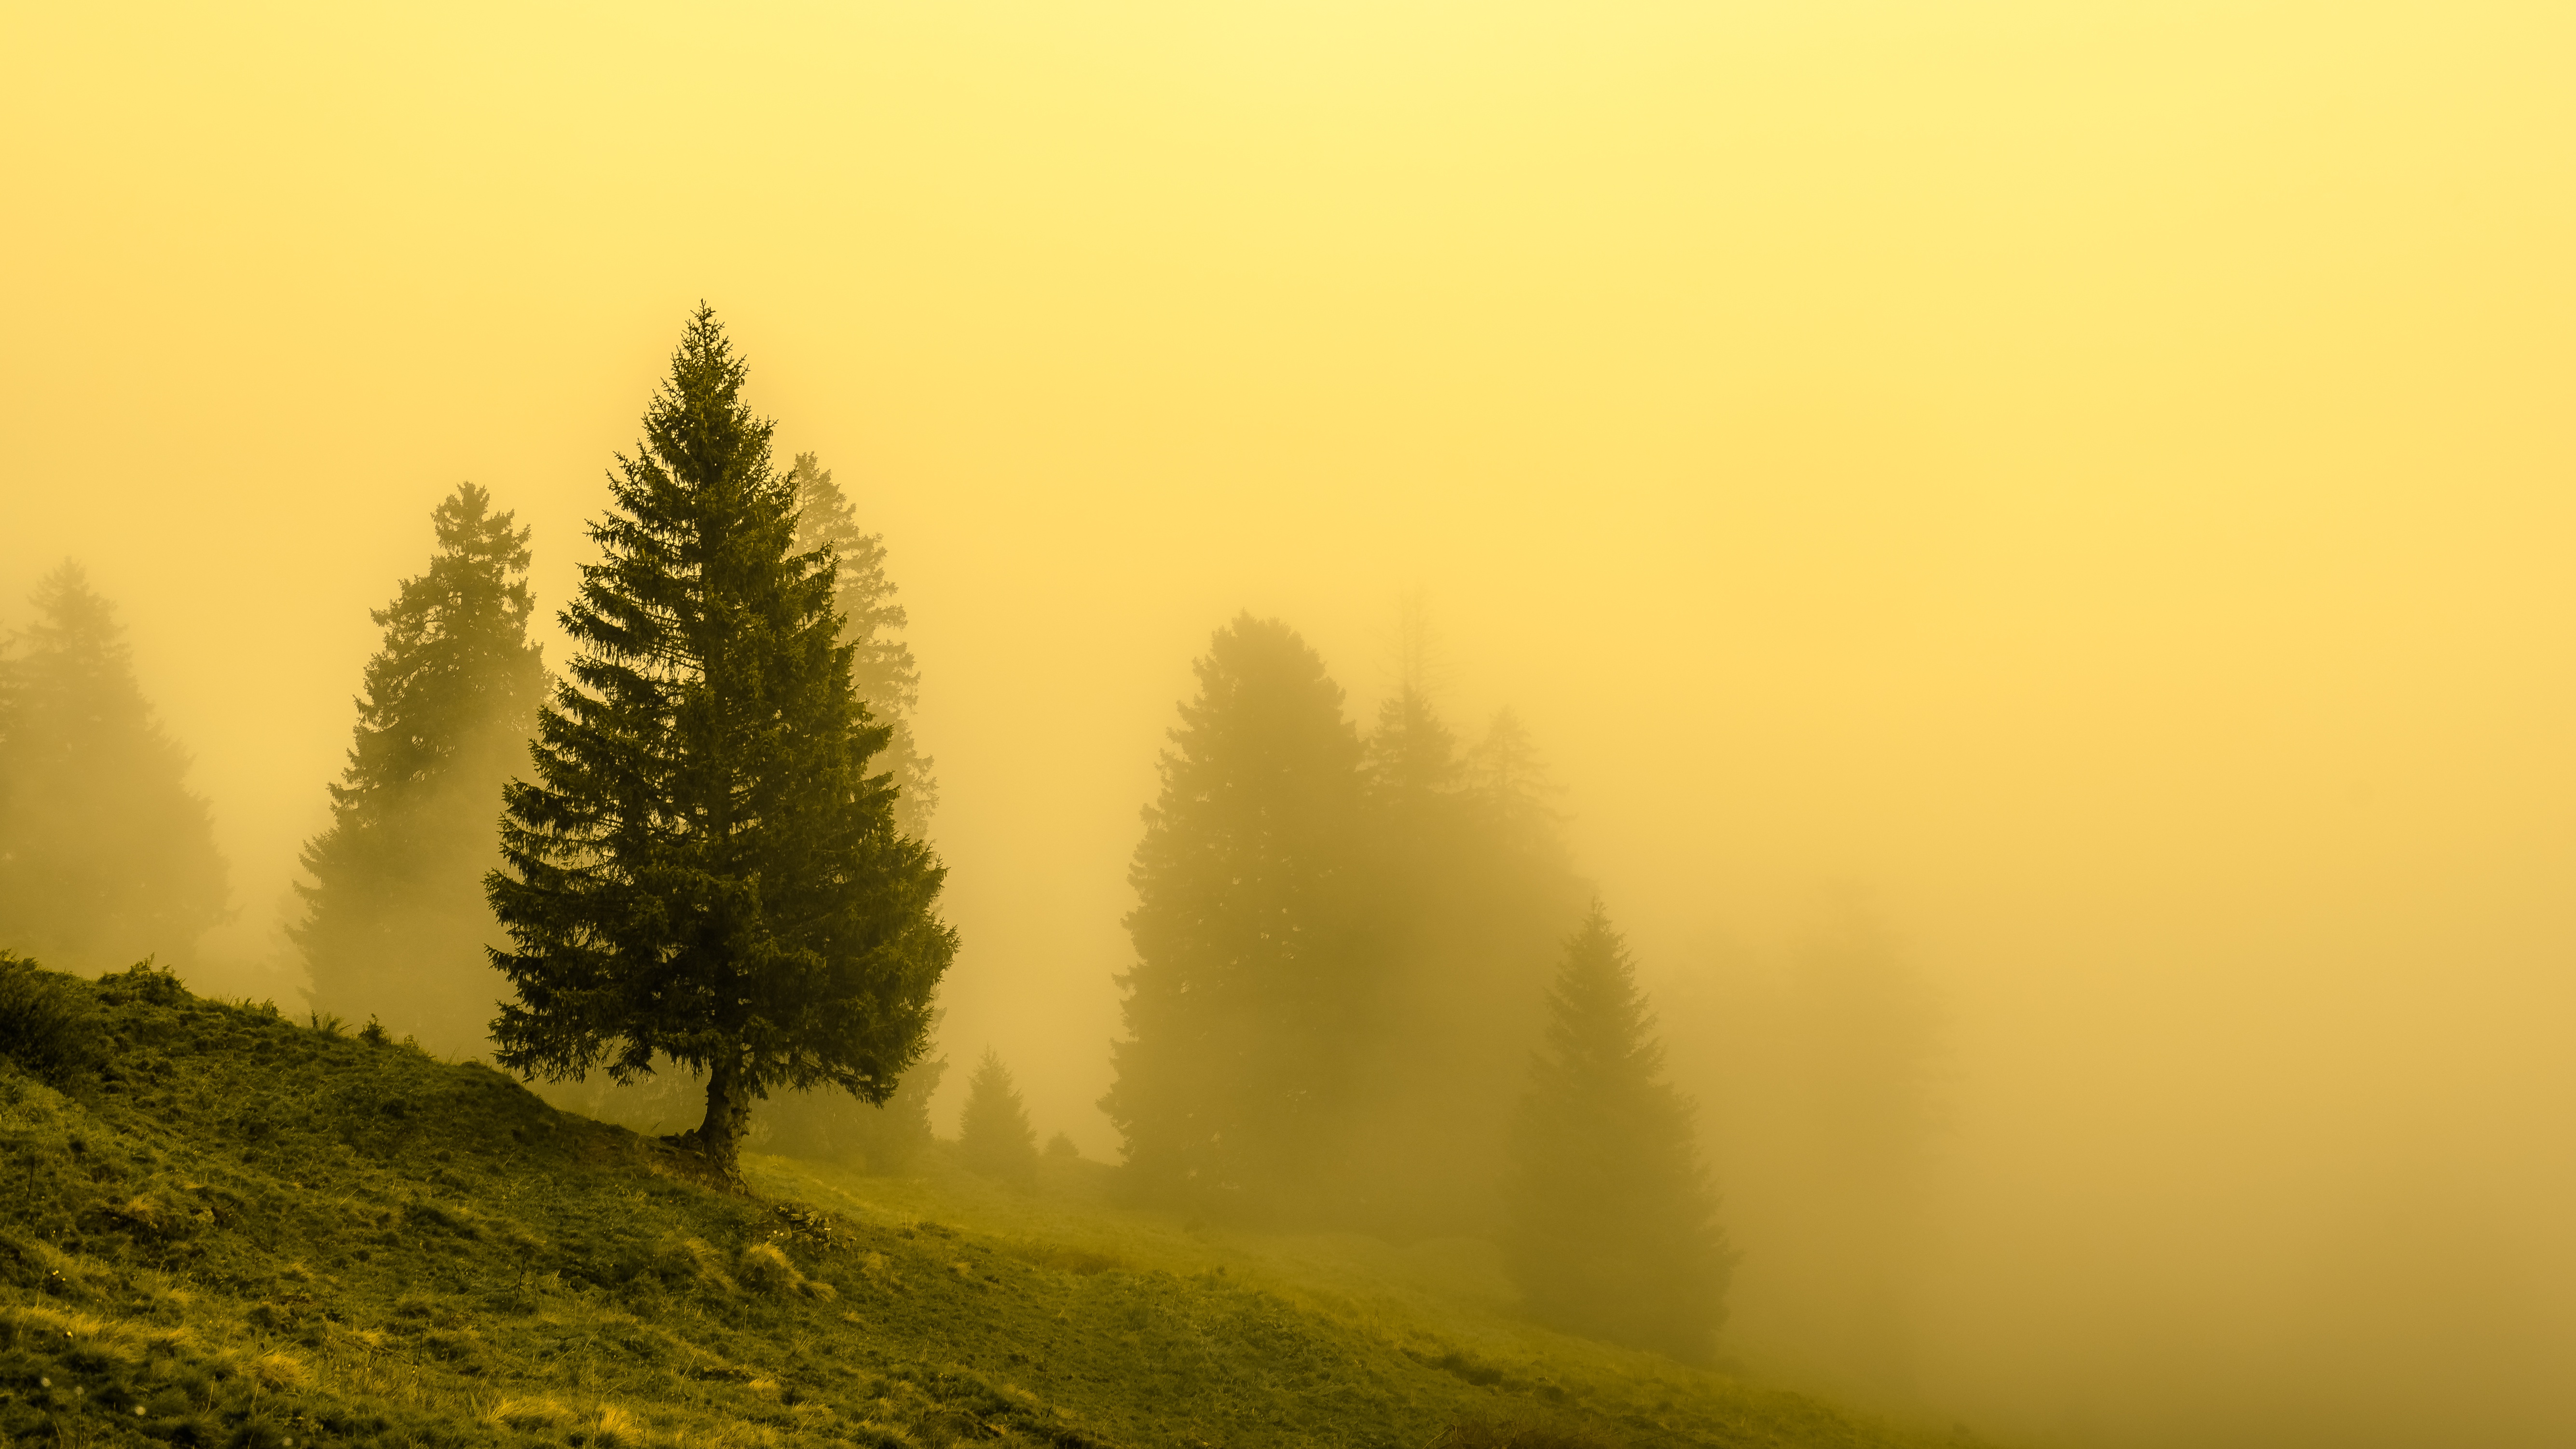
[(105, 855), (1468, 895), (825, 1124), (994, 1136), (1244, 1007), (872, 624), (707, 871), (1507, 775), (1613, 1230), (1343, 946), (395, 923)]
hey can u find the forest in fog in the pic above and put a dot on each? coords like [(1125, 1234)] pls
[(1371, 990), (1936, 639)]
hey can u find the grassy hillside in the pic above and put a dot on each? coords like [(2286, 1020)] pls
[(223, 1227)]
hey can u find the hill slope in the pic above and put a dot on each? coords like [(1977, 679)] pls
[(220, 1227)]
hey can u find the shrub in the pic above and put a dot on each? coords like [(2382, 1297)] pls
[(616, 1428), (529, 1414), (144, 982), (45, 1025)]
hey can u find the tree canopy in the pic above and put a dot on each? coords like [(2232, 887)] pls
[(1243, 1007), (106, 856), (396, 921), (872, 624), (706, 869), (1613, 1230), (993, 1135), (1342, 945)]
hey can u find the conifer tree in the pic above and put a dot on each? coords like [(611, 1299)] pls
[(1509, 779), (872, 624), (1613, 1230), (1469, 896), (105, 854), (707, 869), (1244, 1005), (994, 1136), (396, 921)]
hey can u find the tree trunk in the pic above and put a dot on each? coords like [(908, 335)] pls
[(719, 1138)]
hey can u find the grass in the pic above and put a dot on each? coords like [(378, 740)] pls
[(224, 1227)]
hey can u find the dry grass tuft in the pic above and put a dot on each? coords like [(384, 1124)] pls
[(616, 1429), (765, 1269), (703, 1264), (528, 1414), (142, 1210), (278, 1370)]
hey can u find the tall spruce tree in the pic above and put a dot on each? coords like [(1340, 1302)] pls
[(707, 870), (1243, 1008), (105, 854), (395, 919), (1613, 1231), (994, 1136), (872, 624)]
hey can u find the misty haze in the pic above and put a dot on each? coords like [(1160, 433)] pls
[(1405, 725)]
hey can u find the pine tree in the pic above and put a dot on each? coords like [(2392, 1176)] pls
[(396, 922), (1613, 1226), (1243, 1007), (707, 869), (1507, 776), (872, 624), (105, 855), (994, 1136), (1469, 896)]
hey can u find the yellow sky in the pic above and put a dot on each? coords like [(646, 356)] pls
[(2098, 475)]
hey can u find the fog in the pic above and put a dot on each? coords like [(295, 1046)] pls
[(2074, 500)]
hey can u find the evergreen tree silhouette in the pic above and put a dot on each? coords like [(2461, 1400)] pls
[(872, 624), (1244, 1006), (1469, 895), (994, 1136), (1613, 1226), (105, 854), (707, 869), (396, 923)]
